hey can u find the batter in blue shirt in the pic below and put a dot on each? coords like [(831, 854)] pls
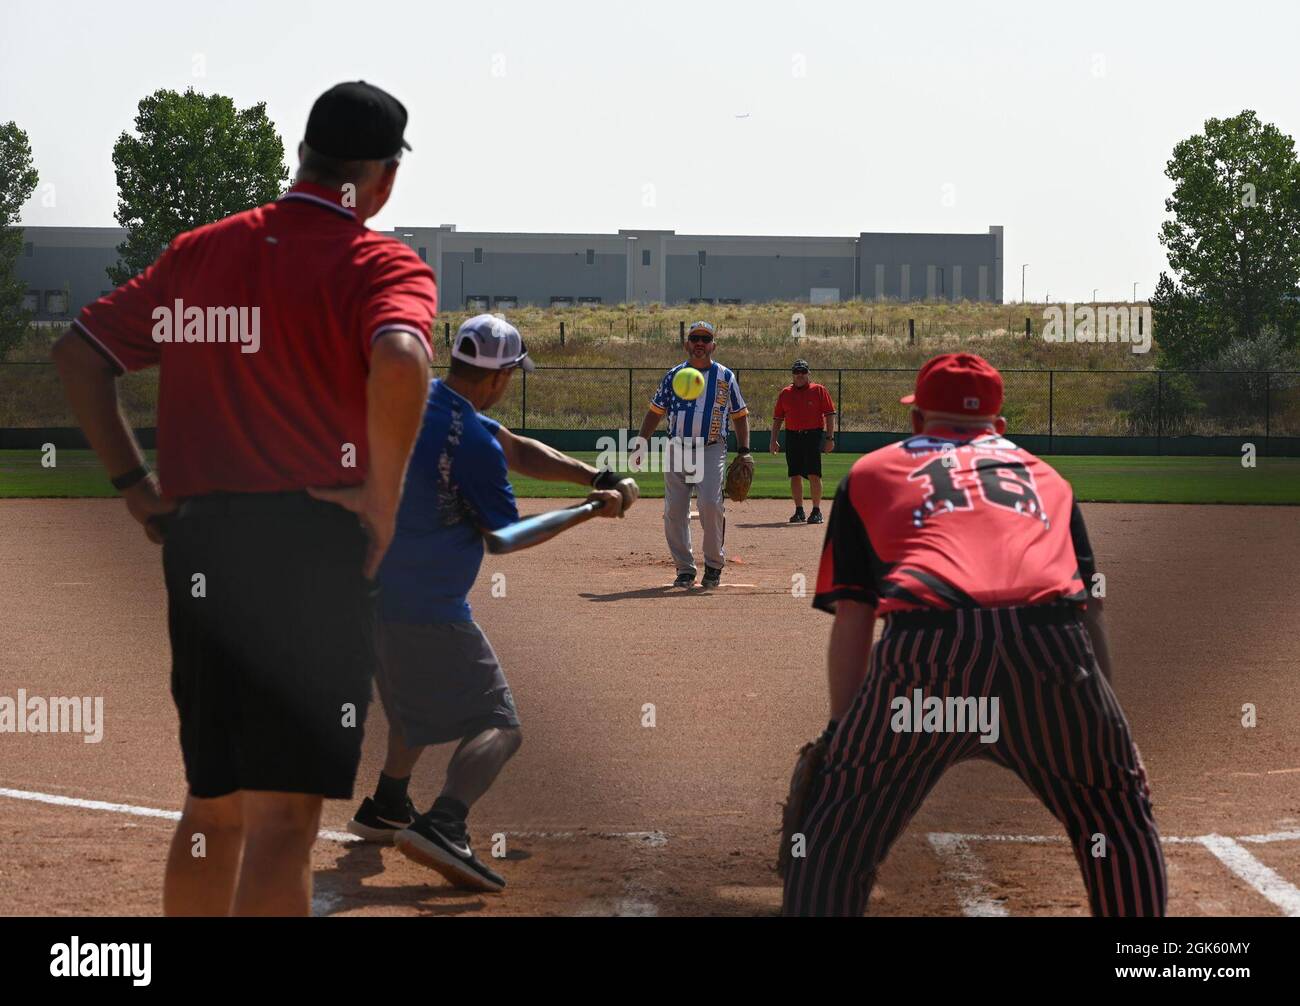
[(439, 678)]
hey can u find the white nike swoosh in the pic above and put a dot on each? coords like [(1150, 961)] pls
[(460, 850), (395, 824)]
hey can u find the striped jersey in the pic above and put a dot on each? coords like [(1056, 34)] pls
[(708, 416), (950, 520)]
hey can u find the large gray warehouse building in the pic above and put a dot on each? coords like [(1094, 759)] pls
[(64, 267)]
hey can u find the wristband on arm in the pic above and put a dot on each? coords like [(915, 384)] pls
[(126, 480), (605, 479)]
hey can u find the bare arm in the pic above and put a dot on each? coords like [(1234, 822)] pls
[(849, 653), (395, 394), (537, 460), (775, 445), (91, 388), (742, 432), (1095, 623), (649, 424)]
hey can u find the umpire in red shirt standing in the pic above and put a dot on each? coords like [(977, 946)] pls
[(809, 416), (293, 348)]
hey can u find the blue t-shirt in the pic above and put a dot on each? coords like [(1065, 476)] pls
[(456, 484)]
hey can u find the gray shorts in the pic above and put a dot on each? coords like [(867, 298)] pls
[(441, 682)]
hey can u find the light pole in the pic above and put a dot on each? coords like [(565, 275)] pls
[(1135, 293), (1094, 295), (1022, 281)]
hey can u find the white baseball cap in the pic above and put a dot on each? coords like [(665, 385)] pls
[(491, 343)]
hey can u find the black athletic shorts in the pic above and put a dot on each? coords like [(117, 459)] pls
[(803, 452), (273, 648)]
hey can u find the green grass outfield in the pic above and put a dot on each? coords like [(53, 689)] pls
[(1095, 479)]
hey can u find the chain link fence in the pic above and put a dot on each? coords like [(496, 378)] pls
[(1096, 403)]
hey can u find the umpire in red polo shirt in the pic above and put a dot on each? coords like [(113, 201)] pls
[(809, 416), (293, 348)]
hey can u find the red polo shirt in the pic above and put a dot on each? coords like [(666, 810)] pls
[(804, 408), (261, 325)]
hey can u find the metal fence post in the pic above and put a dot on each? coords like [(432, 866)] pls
[(1268, 391), (523, 405), (1160, 415), (839, 398), (629, 398), (1051, 411)]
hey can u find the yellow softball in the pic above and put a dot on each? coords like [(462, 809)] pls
[(688, 383)]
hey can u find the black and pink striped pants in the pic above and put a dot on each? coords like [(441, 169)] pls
[(1061, 730)]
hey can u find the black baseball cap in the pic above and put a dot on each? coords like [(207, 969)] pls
[(356, 121), (799, 367)]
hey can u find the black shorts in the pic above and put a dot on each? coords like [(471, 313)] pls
[(803, 452), (272, 666), (442, 682)]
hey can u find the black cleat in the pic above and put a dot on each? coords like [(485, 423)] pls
[(712, 577), (375, 824), (684, 580), (816, 516), (442, 844), (797, 517)]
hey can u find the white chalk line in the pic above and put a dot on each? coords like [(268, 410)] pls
[(954, 847), (966, 869), (653, 839), (1263, 880), (325, 902)]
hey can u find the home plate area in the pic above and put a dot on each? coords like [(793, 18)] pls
[(1211, 874)]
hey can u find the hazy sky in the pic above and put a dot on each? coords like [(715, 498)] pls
[(576, 116)]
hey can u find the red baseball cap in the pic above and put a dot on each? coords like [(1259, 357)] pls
[(961, 383)]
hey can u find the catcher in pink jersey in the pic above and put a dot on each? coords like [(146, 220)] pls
[(976, 555)]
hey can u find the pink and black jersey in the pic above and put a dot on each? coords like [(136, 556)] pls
[(948, 520)]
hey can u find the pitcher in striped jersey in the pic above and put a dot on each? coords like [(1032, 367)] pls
[(705, 423)]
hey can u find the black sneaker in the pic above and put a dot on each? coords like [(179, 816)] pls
[(443, 845), (797, 517), (374, 824), (684, 580), (816, 516), (712, 577)]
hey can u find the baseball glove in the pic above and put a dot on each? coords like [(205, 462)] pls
[(812, 756), (740, 476)]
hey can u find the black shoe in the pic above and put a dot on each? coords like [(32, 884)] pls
[(797, 517), (442, 844), (684, 580), (816, 516), (712, 577), (376, 824)]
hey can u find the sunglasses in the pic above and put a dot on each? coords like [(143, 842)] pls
[(702, 339), (797, 372)]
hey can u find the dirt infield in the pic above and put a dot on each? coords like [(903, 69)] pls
[(602, 815)]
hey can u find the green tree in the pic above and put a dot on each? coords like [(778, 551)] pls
[(194, 158), (1233, 239), (17, 182)]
